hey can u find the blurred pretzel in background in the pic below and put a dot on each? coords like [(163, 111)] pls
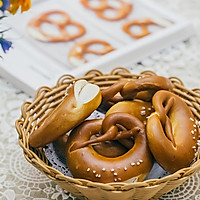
[(101, 6), (36, 31), (121, 12), (76, 54), (144, 25)]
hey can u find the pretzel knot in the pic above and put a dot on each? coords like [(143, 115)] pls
[(172, 132), (76, 54), (121, 12), (143, 88), (136, 162), (36, 31)]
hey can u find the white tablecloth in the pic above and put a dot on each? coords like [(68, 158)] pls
[(20, 180)]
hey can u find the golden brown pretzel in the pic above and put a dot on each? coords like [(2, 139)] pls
[(136, 108), (142, 88), (76, 54), (107, 148), (101, 6), (172, 132), (81, 100), (139, 109), (100, 10), (110, 149), (84, 162), (35, 27), (143, 24)]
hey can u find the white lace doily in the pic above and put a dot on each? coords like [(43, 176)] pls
[(21, 181)]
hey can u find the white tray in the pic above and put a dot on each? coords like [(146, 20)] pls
[(32, 64)]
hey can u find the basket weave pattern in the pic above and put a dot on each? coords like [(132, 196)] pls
[(46, 99)]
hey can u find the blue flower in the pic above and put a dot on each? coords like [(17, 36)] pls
[(5, 44), (5, 6)]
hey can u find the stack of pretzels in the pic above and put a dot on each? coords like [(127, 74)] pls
[(145, 122)]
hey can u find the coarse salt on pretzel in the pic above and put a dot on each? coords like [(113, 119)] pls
[(35, 29), (84, 162), (137, 108), (121, 12), (81, 100), (78, 51), (171, 131)]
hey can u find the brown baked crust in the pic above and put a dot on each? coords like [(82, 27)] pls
[(147, 84), (143, 89), (137, 108), (110, 149), (63, 118), (84, 162), (171, 131)]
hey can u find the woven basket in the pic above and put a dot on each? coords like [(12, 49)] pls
[(46, 99)]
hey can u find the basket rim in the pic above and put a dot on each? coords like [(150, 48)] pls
[(42, 91)]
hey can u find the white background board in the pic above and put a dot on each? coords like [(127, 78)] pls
[(31, 64)]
